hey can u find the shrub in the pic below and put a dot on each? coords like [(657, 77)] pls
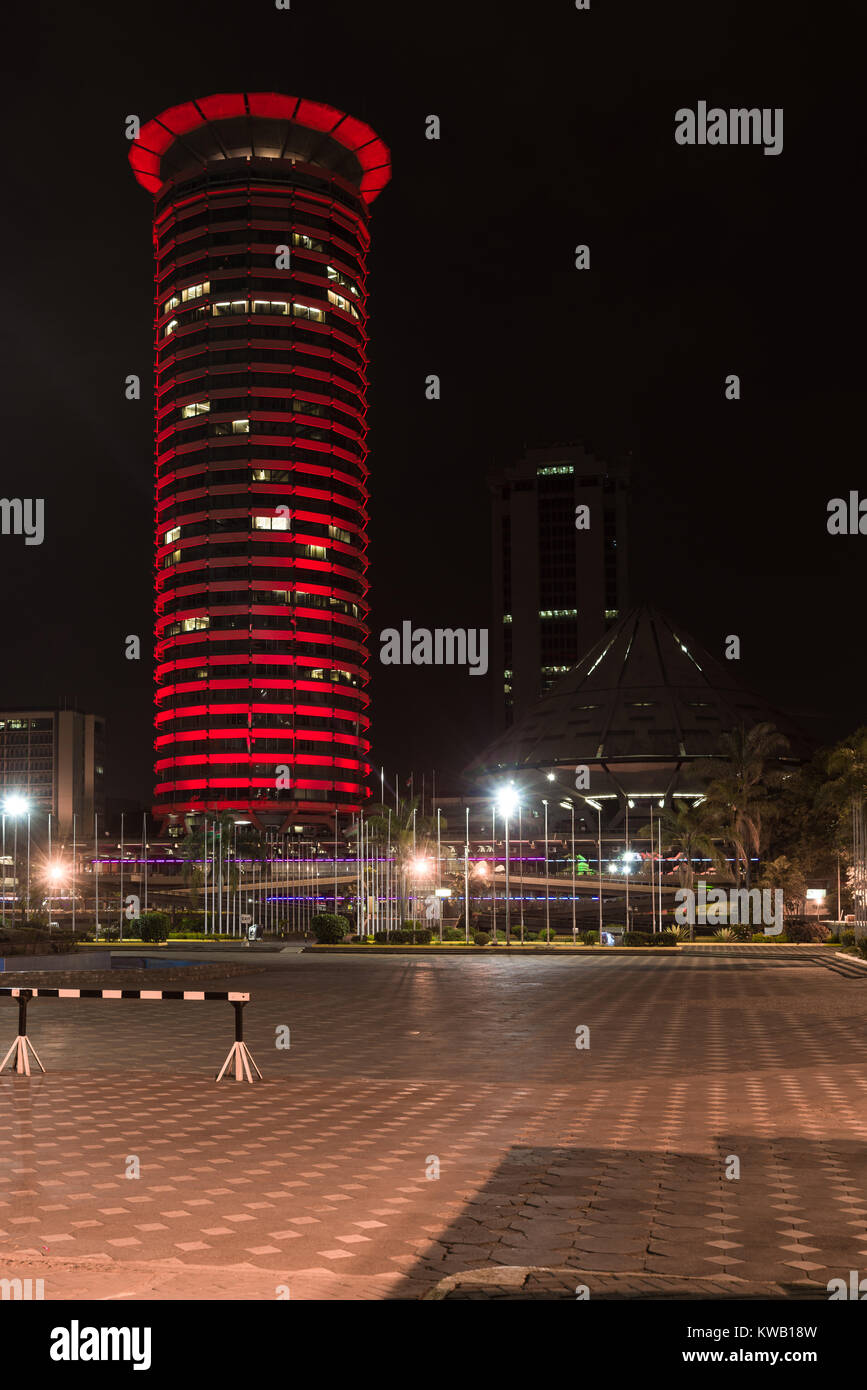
[(667, 938), (590, 938), (806, 929), (847, 938), (329, 928), (452, 934), (724, 934), (153, 926), (481, 938), (742, 932), (637, 938)]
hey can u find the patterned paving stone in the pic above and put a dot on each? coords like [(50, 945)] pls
[(610, 1161)]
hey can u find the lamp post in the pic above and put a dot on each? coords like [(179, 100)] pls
[(521, 868), (547, 886), (467, 878), (597, 807), (570, 807), (494, 870), (508, 798)]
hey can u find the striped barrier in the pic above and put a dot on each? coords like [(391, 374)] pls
[(22, 1047)]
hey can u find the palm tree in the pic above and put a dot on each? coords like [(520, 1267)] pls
[(742, 786), (688, 831)]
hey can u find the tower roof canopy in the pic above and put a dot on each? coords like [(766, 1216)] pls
[(645, 694), (264, 125)]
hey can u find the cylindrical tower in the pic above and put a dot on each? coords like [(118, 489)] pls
[(260, 237)]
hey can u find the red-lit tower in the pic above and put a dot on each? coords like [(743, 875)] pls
[(260, 237)]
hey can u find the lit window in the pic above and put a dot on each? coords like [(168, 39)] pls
[(316, 552), (271, 523), (306, 311), (240, 426), (507, 617), (172, 535), (171, 304), (195, 408), (338, 534), (551, 472), (196, 291), (171, 559), (170, 328), (195, 624), (558, 612), (339, 300), (612, 612), (226, 306)]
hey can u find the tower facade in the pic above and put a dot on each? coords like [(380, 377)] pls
[(559, 549), (261, 213)]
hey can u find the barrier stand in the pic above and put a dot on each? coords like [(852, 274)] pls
[(22, 1045), (239, 1049), (238, 1052)]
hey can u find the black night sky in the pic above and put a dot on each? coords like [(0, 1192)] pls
[(557, 128)]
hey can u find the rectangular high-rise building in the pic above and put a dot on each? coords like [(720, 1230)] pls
[(261, 233), (559, 568), (54, 760)]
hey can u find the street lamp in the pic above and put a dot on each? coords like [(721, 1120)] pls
[(507, 800), (570, 807), (547, 888), (598, 809)]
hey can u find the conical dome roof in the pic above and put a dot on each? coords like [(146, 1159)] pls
[(647, 694)]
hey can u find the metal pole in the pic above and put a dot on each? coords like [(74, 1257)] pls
[(494, 869), (508, 913), (439, 868), (547, 885), (120, 909), (28, 866), (652, 871), (574, 925), (627, 864), (96, 875), (521, 866), (599, 861), (467, 878), (73, 873)]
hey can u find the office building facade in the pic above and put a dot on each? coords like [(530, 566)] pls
[(560, 579), (53, 760), (261, 234)]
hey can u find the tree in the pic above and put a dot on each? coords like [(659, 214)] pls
[(740, 794), (689, 831)]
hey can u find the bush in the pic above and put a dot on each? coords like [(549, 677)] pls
[(806, 929), (847, 938), (452, 934), (590, 938), (637, 938), (667, 938), (724, 934), (329, 928), (153, 926), (481, 938)]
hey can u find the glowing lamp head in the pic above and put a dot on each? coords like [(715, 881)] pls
[(507, 800), (16, 805), (54, 873)]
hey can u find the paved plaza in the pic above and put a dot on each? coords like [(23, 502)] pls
[(557, 1166)]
